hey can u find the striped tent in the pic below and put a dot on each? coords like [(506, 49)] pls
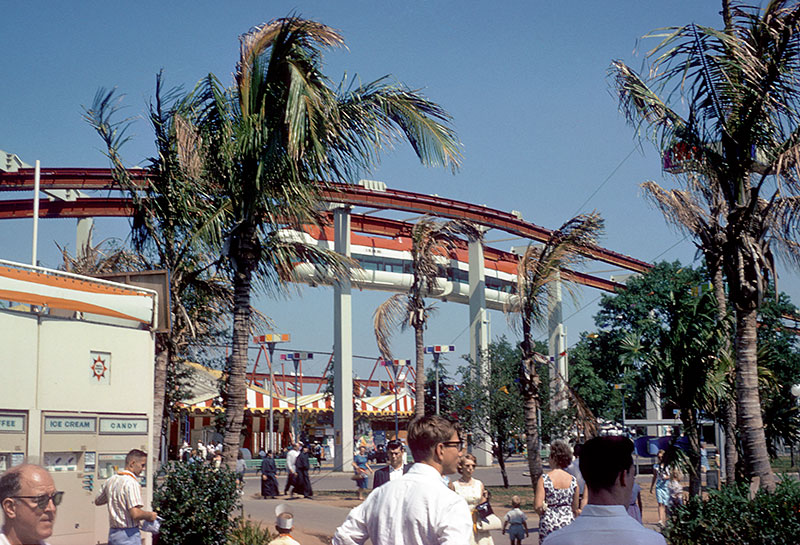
[(385, 404)]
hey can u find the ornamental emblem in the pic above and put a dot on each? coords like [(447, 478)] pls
[(100, 363)]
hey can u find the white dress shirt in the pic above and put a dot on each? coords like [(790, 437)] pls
[(604, 525), (291, 460), (395, 473), (416, 509)]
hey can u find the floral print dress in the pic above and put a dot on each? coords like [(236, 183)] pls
[(559, 507)]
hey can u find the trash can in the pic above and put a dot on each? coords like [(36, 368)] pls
[(712, 479)]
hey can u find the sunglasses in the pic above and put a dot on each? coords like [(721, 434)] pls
[(458, 444), (43, 500)]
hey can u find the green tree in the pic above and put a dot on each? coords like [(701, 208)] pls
[(431, 242), (445, 391), (537, 268), (739, 123), (274, 139), (689, 362), (492, 410)]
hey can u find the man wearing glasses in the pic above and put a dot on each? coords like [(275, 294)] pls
[(395, 469), (123, 494), (29, 499), (418, 508)]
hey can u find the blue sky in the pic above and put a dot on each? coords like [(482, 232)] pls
[(526, 83)]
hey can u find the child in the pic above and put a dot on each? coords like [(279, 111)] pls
[(515, 522), (284, 525), (635, 505), (675, 488)]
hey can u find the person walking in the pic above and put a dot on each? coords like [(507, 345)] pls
[(395, 468), (362, 469), (557, 498), (303, 465), (473, 491), (291, 470), (515, 522), (660, 483), (269, 479)]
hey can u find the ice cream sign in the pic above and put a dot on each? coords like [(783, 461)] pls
[(69, 424), (123, 426)]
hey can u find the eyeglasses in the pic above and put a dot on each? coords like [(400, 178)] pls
[(43, 500), (458, 444)]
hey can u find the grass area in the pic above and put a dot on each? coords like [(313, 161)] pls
[(501, 497), (783, 464)]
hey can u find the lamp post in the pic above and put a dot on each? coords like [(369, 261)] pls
[(271, 340), (395, 365), (621, 388), (436, 350), (297, 358), (796, 393)]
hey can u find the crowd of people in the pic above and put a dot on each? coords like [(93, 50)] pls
[(590, 499)]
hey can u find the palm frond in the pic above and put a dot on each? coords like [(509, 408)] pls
[(386, 319)]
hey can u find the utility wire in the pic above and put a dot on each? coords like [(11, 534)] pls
[(604, 182)]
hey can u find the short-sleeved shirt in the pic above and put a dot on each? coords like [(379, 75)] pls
[(516, 516), (121, 492)]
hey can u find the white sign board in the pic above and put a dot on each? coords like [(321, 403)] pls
[(69, 424), (12, 423), (123, 426)]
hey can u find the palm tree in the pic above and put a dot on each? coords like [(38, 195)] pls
[(700, 211), (742, 131), (689, 360), (431, 241), (270, 143), (172, 218), (538, 267)]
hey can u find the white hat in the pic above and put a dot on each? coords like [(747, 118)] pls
[(287, 521)]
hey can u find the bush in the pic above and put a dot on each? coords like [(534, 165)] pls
[(248, 532), (728, 516), (198, 504)]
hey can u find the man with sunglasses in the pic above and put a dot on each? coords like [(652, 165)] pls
[(29, 498), (123, 494), (418, 508)]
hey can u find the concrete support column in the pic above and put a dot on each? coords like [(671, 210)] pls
[(652, 404), (479, 334), (342, 350), (557, 346), (83, 236)]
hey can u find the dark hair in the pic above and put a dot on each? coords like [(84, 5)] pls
[(560, 453), (576, 450), (10, 483), (134, 454), (394, 444), (603, 458), (425, 432)]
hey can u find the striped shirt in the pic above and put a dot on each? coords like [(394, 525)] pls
[(121, 492)]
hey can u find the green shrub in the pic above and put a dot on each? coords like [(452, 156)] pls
[(728, 516), (198, 504), (248, 532)]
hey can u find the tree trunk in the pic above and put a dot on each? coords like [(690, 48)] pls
[(692, 433), (530, 393), (754, 443), (420, 354), (159, 396), (499, 453), (729, 406), (236, 385)]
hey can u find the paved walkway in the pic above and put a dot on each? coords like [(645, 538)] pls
[(316, 520)]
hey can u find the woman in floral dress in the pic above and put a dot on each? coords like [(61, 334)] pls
[(557, 496)]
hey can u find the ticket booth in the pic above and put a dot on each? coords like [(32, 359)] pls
[(79, 392)]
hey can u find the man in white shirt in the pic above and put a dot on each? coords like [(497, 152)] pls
[(291, 468), (123, 495), (29, 498), (607, 467), (395, 469), (418, 508)]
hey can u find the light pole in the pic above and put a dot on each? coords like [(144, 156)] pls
[(436, 350), (621, 388), (297, 358), (396, 364), (271, 340), (796, 393)]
